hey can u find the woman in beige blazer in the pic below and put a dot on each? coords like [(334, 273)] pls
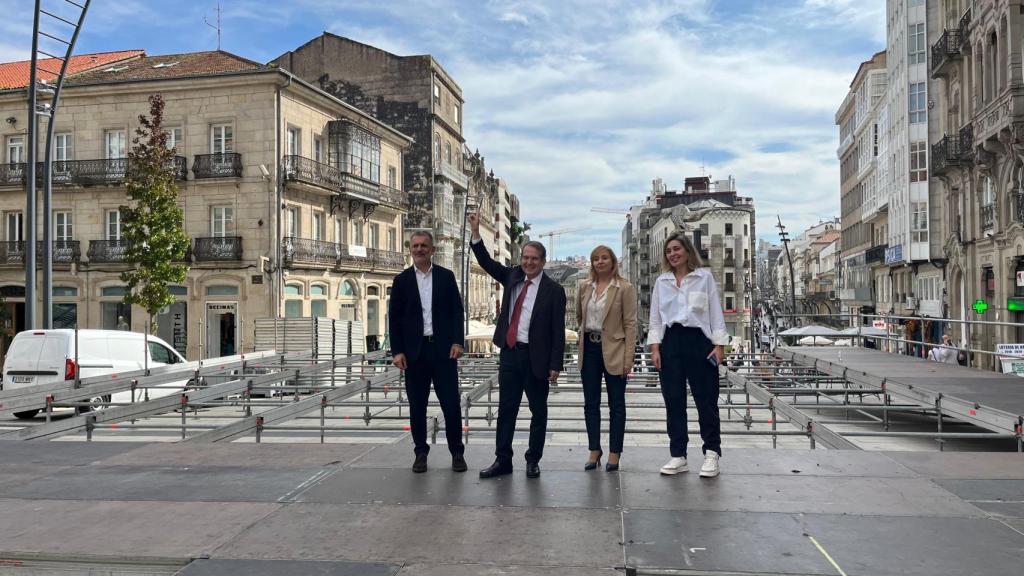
[(606, 314)]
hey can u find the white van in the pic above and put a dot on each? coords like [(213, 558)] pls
[(48, 356)]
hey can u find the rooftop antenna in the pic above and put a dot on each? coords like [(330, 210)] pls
[(217, 27), (702, 174)]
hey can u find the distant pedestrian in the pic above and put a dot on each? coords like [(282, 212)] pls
[(944, 353)]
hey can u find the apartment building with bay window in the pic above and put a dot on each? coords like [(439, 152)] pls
[(292, 199)]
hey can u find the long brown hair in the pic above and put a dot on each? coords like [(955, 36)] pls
[(592, 274), (693, 259)]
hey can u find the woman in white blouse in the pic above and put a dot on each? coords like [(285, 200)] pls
[(687, 333), (606, 314)]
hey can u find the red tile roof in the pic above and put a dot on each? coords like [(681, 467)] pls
[(188, 65), (16, 74)]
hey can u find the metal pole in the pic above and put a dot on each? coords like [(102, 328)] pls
[(30, 182)]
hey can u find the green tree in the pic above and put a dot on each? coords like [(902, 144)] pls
[(516, 231), (153, 225)]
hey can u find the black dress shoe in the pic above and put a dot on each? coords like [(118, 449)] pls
[(420, 465), (609, 467), (593, 465), (499, 468), (459, 463), (532, 470)]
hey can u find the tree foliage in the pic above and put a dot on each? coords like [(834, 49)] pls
[(517, 231), (153, 224)]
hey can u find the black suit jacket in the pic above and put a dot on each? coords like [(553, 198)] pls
[(547, 322), (405, 313)]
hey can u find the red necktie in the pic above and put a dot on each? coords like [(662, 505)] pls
[(517, 311)]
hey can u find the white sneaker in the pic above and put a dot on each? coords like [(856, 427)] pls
[(710, 467), (674, 466)]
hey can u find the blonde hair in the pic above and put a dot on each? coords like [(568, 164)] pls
[(693, 259), (592, 274)]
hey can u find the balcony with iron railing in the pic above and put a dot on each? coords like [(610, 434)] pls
[(729, 261), (945, 51), (988, 216), (64, 252), (222, 165), (219, 248), (107, 251), (340, 181), (952, 151), (307, 251), (875, 253), (99, 172)]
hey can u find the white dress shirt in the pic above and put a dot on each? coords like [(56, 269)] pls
[(523, 334), (594, 319), (696, 303), (425, 282)]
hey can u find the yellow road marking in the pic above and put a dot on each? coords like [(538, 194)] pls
[(826, 555)]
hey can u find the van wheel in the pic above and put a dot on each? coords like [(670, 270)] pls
[(26, 414), (95, 403)]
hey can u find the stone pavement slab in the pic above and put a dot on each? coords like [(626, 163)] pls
[(435, 534), (207, 567)]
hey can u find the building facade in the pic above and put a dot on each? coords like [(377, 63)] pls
[(721, 224), (292, 199), (977, 161), (858, 154)]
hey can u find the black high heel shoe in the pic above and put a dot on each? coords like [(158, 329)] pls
[(609, 467), (593, 465)]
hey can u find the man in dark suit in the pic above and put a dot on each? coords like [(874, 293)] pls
[(426, 326), (531, 335)]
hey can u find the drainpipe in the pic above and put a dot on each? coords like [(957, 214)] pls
[(275, 212)]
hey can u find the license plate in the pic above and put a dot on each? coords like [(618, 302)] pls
[(22, 379)]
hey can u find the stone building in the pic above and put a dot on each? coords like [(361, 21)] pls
[(416, 96), (977, 162), (291, 196), (721, 224), (863, 216)]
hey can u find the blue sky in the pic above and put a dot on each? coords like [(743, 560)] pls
[(579, 103)]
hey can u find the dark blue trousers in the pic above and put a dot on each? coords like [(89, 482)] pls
[(684, 352), (434, 365), (593, 370), (515, 376)]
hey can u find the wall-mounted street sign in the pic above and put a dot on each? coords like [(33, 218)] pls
[(980, 306)]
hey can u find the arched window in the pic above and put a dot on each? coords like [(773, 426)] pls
[(293, 290), (347, 289), (372, 291)]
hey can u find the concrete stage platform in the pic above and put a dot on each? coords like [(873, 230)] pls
[(357, 509)]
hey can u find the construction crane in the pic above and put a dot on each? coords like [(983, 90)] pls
[(609, 210), (551, 237)]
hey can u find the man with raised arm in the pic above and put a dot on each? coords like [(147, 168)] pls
[(531, 335)]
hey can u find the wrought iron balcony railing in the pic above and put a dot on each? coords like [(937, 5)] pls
[(308, 171), (64, 252), (965, 25), (875, 253), (224, 165), (218, 248), (100, 172), (988, 216), (107, 251), (952, 151), (945, 51), (12, 174), (304, 250), (729, 261), (386, 259)]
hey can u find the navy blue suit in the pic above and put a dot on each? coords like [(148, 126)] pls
[(428, 358), (525, 367)]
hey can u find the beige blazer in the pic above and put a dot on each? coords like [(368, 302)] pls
[(618, 329)]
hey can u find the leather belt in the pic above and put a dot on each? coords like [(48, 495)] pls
[(428, 338), (594, 337)]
